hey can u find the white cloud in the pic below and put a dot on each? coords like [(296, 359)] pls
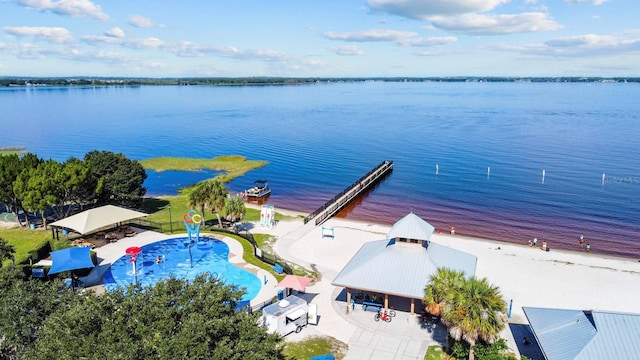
[(370, 35), (50, 34), (74, 8), (100, 40), (429, 41), (142, 22), (144, 43), (402, 38), (594, 2), (469, 16), (422, 9), (591, 43), (349, 50), (586, 46), (116, 32), (486, 24), (133, 43)]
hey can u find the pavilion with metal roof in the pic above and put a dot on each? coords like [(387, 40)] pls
[(585, 335), (401, 264)]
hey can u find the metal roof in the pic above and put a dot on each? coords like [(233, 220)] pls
[(585, 335), (411, 226), (400, 269)]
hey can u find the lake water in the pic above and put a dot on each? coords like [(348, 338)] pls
[(490, 143)]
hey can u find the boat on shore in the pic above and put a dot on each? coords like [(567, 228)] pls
[(260, 189)]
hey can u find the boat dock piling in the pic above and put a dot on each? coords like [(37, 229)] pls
[(341, 200)]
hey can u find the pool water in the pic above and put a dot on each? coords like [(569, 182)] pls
[(208, 255)]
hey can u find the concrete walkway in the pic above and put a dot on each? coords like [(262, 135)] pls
[(404, 338)]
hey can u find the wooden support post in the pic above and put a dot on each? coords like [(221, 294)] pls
[(413, 306), (348, 300), (386, 301)]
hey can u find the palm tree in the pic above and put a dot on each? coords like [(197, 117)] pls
[(442, 287), (210, 194), (471, 309), (234, 208)]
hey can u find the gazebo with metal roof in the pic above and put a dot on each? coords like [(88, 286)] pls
[(585, 335), (402, 264)]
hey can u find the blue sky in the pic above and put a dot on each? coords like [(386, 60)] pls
[(327, 38)]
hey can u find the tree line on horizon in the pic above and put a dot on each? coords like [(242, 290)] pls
[(271, 81)]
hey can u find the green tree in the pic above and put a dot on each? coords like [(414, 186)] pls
[(11, 165), (210, 194), (75, 185), (24, 305), (477, 313), (6, 251), (472, 309), (234, 208), (175, 319), (118, 179), (441, 290), (37, 188)]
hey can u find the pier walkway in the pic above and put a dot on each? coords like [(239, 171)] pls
[(341, 200)]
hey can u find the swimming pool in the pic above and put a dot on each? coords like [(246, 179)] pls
[(209, 255)]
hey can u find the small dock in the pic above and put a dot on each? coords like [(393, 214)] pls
[(333, 206)]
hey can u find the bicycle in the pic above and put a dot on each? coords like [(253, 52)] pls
[(392, 311), (382, 315)]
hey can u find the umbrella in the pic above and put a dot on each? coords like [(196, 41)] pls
[(295, 282), (73, 258)]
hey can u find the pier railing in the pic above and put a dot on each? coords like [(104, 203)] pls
[(339, 201)]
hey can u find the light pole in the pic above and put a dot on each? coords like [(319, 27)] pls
[(170, 221)]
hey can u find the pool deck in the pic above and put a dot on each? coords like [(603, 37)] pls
[(405, 338), (109, 253)]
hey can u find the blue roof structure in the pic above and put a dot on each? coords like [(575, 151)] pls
[(585, 335), (394, 268), (72, 258)]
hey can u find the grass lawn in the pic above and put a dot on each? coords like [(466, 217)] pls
[(313, 346), (435, 352), (24, 241), (158, 210)]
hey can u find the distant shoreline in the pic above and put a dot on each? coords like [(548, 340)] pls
[(28, 82)]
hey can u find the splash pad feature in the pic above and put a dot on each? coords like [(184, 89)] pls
[(192, 221), (133, 251)]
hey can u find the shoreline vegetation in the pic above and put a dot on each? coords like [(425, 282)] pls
[(11, 149), (233, 165), (18, 81)]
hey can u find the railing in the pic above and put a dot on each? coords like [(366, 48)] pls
[(352, 190)]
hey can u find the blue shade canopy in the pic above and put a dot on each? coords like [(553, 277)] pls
[(70, 259)]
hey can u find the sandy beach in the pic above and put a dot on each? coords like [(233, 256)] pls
[(526, 276)]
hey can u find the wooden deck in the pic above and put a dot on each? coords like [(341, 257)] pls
[(333, 206)]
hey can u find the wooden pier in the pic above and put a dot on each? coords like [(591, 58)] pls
[(333, 206)]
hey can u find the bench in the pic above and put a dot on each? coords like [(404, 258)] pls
[(371, 306), (278, 268)]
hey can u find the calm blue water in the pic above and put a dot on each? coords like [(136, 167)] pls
[(320, 138), (208, 255)]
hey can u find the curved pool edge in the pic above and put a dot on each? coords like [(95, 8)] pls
[(110, 253)]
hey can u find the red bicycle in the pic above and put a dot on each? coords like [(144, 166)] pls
[(382, 315)]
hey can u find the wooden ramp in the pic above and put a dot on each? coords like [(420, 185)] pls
[(341, 200)]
